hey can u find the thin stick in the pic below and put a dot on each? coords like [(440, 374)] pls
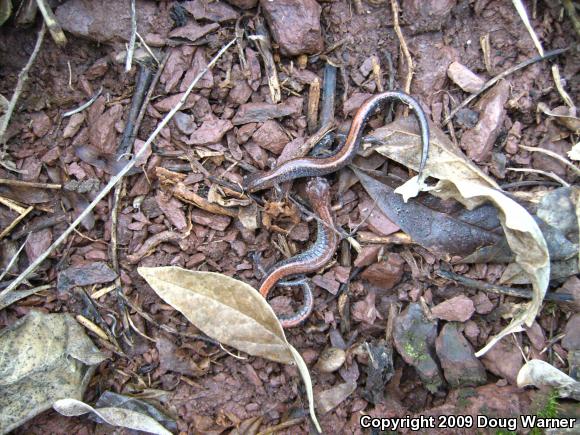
[(147, 47), (19, 183), (51, 22), (507, 72), (16, 222), (404, 49), (500, 289), (15, 296), (131, 48), (553, 155), (84, 105), (539, 171), (22, 77), (115, 179), (571, 11)]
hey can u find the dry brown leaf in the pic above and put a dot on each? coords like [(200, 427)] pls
[(563, 115), (111, 415), (43, 358), (229, 311), (539, 373), (464, 182)]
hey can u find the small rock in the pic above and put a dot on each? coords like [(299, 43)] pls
[(217, 222), (168, 103), (172, 209), (427, 15), (87, 274), (387, 273), (342, 273), (466, 118), (471, 331), (329, 399), (198, 64), (271, 136), (460, 366), (365, 310), (295, 25), (572, 339), (482, 303), (40, 124), (245, 132), (261, 112), (376, 219), (457, 309), (184, 122), (464, 77), (193, 31), (504, 360), (327, 282), (240, 92), (536, 335), (171, 358), (414, 336), (478, 142), (97, 69), (330, 360), (93, 20), (572, 287), (102, 132), (367, 256), (214, 11), (74, 124), (210, 132), (37, 243)]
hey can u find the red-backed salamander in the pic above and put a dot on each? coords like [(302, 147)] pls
[(315, 167), (311, 260)]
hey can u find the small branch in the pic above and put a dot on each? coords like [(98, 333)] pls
[(538, 171), (115, 179), (404, 49), (571, 11), (500, 289), (22, 77), (131, 48), (507, 72), (553, 155), (51, 22), (19, 183)]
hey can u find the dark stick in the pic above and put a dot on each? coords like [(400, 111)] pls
[(502, 290)]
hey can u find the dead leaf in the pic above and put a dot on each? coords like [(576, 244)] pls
[(113, 416), (464, 182), (43, 358), (229, 311), (539, 373), (574, 153)]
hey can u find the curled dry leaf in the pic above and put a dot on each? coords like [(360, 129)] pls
[(563, 115), (229, 311), (113, 416), (464, 182), (539, 373)]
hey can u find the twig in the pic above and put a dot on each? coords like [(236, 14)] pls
[(328, 95), (15, 296), (313, 100), (22, 77), (115, 179), (521, 9), (539, 171), (84, 105), (149, 94), (262, 41), (147, 48), (50, 20), (500, 289), (131, 48), (507, 72), (16, 221), (404, 49), (19, 183), (553, 155)]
